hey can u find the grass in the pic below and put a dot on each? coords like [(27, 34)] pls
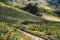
[(14, 17), (17, 13), (8, 33), (46, 30)]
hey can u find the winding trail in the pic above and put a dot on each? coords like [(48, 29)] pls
[(32, 37)]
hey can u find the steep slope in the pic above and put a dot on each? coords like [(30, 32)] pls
[(11, 13), (43, 11), (48, 13)]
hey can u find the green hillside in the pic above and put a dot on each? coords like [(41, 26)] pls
[(13, 17), (10, 13)]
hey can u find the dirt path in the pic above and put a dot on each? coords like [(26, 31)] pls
[(32, 37)]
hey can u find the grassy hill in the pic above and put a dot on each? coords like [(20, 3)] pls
[(43, 11), (14, 16), (9, 13)]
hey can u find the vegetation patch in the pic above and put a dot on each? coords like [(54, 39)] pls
[(8, 33)]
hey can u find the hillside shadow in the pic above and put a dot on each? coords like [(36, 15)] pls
[(32, 8)]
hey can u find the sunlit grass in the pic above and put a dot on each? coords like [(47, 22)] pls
[(8, 33)]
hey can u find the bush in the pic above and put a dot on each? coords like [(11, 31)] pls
[(8, 33)]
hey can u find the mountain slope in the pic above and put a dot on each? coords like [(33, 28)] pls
[(43, 11), (48, 13), (11, 13)]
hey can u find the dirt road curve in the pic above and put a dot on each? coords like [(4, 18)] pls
[(32, 37)]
